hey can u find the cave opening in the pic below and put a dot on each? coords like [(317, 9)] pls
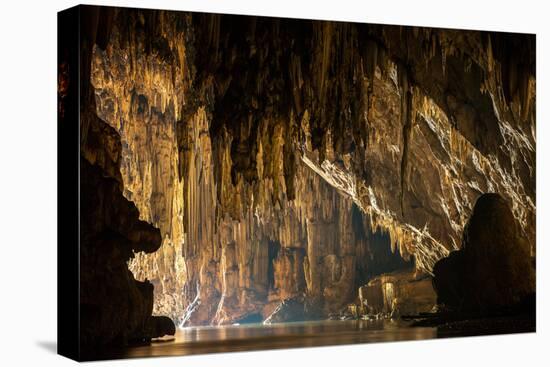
[(379, 259)]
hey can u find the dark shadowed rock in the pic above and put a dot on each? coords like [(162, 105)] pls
[(293, 310), (161, 326), (288, 310), (493, 269), (448, 278), (115, 308)]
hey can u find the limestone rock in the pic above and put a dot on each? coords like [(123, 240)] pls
[(115, 309), (271, 153), (398, 293), (493, 268)]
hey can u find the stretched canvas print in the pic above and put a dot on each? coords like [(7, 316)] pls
[(231, 183)]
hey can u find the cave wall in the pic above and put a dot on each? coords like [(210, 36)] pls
[(115, 309), (251, 142)]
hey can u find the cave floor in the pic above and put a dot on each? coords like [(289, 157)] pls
[(250, 337)]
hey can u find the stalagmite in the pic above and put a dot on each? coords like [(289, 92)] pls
[(274, 154)]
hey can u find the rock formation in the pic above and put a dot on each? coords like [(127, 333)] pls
[(277, 156), (115, 309), (394, 294), (492, 269)]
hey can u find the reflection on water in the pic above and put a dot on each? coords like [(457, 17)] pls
[(198, 340)]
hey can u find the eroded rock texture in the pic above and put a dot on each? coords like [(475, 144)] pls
[(115, 309), (397, 293), (276, 155)]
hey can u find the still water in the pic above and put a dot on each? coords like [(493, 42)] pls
[(199, 340)]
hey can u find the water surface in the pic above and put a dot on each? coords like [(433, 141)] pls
[(200, 340)]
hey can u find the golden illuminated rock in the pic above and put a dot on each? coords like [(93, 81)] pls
[(276, 155)]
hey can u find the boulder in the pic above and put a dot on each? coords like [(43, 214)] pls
[(493, 269)]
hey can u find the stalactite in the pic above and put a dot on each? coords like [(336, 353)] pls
[(262, 132), (407, 118)]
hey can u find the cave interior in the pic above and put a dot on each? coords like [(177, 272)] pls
[(245, 169)]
